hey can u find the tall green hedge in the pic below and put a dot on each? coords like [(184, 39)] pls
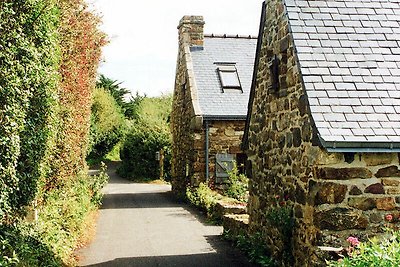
[(49, 53), (29, 58)]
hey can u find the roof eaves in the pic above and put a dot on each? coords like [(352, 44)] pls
[(367, 147), (224, 117)]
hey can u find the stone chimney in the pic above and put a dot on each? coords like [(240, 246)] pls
[(191, 30)]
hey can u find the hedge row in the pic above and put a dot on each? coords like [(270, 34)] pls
[(49, 52)]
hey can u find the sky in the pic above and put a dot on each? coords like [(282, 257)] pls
[(143, 36)]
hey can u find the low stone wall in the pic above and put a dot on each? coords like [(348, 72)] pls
[(353, 194)]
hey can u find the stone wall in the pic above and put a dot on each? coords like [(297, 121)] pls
[(225, 137), (301, 196), (183, 115)]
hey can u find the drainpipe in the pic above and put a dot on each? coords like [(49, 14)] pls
[(207, 150)]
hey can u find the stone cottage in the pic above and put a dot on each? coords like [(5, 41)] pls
[(323, 128), (212, 85)]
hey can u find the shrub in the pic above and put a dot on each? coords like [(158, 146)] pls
[(51, 240), (383, 253), (139, 151), (107, 124), (238, 184), (204, 198), (20, 246), (253, 246)]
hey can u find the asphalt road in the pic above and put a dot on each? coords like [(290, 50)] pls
[(142, 225)]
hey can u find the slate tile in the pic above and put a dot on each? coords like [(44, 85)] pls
[(371, 101), (324, 86), (317, 92), (356, 117), (341, 132), (363, 109), (345, 29), (394, 117), (384, 109), (363, 132), (381, 138), (369, 123), (321, 109), (345, 86), (358, 94), (355, 138), (339, 71), (342, 109), (332, 138), (377, 117), (339, 117), (318, 117), (373, 79)]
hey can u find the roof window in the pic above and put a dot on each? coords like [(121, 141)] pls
[(229, 77)]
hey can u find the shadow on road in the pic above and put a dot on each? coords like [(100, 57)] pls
[(206, 259), (138, 200), (197, 260)]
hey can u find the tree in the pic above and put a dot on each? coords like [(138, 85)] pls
[(130, 107)]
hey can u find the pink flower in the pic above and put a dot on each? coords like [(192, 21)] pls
[(353, 241), (389, 217)]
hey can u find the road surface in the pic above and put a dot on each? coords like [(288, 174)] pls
[(142, 225)]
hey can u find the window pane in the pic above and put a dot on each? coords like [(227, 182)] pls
[(229, 79)]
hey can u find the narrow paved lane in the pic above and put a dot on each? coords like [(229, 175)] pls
[(142, 225)]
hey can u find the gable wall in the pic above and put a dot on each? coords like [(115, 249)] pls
[(183, 136), (280, 144), (332, 195)]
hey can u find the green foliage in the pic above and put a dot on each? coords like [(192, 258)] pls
[(238, 184), (281, 217), (107, 124), (383, 253), (156, 111), (147, 135), (96, 183), (139, 151), (22, 246), (28, 69), (204, 198), (253, 246), (130, 107), (51, 240), (49, 52)]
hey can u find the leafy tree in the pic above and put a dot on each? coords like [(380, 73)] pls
[(107, 123), (119, 93), (148, 134)]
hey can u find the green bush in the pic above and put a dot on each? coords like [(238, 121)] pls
[(107, 123), (253, 246), (204, 198), (62, 216), (139, 151), (21, 246), (238, 184), (378, 253)]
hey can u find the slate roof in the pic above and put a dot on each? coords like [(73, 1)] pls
[(228, 49), (349, 54)]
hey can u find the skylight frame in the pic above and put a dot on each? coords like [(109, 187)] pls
[(229, 77)]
